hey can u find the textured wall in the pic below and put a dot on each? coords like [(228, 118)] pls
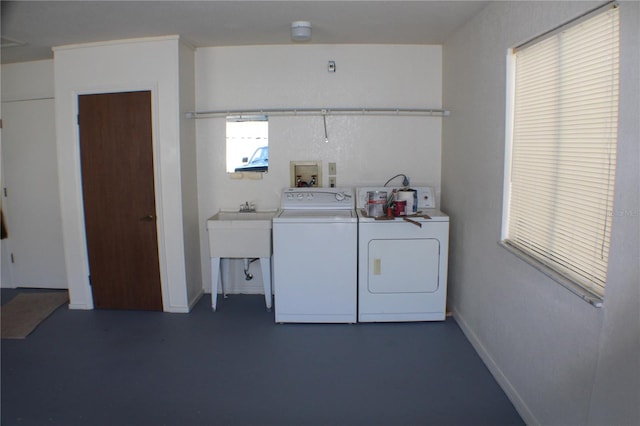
[(561, 360), (367, 150), (145, 64)]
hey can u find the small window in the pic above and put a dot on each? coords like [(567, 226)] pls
[(247, 144), (561, 149)]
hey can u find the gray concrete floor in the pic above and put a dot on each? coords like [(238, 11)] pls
[(237, 367)]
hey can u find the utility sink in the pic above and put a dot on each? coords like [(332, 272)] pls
[(240, 234), (245, 216)]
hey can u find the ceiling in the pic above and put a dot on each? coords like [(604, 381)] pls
[(43, 24)]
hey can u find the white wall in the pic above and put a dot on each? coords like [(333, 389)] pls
[(189, 175), (143, 64), (27, 80), (32, 209), (560, 360), (367, 150)]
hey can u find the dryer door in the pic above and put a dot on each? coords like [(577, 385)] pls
[(403, 266)]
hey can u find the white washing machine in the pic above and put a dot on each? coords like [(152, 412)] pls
[(315, 256), (402, 265)]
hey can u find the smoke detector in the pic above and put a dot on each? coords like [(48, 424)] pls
[(301, 31)]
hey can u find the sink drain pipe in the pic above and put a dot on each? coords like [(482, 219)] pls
[(247, 263)]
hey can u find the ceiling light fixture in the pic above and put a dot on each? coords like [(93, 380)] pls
[(301, 31)]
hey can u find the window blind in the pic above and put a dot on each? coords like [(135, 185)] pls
[(563, 148)]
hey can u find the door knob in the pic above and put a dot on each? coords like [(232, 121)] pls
[(147, 218)]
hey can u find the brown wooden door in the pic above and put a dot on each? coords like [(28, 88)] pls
[(119, 200)]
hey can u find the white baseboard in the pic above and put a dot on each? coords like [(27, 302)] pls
[(80, 306), (511, 392), (195, 300)]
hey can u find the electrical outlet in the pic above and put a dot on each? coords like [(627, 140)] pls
[(332, 169)]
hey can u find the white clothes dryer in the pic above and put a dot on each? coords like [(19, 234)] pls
[(402, 264), (315, 256)]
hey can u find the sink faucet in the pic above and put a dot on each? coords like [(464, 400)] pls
[(247, 208)]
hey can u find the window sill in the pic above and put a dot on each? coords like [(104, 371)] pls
[(246, 175), (589, 297)]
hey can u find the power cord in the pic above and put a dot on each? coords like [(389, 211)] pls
[(405, 180)]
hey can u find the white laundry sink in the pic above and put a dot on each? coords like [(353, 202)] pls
[(245, 216), (240, 234)]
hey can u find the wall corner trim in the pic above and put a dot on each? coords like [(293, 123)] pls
[(114, 42)]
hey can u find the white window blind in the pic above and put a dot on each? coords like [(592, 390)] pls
[(563, 148)]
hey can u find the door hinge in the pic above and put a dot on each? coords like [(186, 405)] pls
[(13, 259), (4, 190), (90, 285), (0, 123), (78, 119)]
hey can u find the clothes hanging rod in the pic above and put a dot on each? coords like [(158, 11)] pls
[(431, 112)]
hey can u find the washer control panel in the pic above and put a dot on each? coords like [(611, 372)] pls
[(318, 198)]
